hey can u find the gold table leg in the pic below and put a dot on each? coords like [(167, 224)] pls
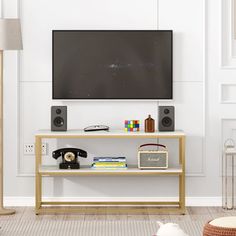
[(38, 177), (182, 176)]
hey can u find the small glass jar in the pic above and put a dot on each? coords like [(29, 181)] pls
[(149, 124)]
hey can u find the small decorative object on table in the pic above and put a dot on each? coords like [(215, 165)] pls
[(153, 159), (69, 157), (96, 128), (149, 124), (132, 125)]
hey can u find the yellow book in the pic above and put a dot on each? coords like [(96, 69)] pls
[(109, 164)]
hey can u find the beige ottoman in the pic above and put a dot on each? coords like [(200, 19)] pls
[(224, 226)]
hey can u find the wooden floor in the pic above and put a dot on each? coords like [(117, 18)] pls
[(193, 213), (26, 223)]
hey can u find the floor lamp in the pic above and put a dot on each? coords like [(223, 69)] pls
[(10, 39)]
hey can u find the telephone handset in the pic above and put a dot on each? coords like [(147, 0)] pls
[(62, 151), (69, 157)]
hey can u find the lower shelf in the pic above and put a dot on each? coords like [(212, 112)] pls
[(111, 207), (86, 171)]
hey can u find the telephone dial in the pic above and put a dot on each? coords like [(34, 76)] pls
[(69, 157)]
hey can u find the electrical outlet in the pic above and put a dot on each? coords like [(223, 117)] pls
[(29, 149), (44, 149)]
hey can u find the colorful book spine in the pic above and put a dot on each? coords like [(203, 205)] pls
[(109, 159), (109, 167), (109, 163)]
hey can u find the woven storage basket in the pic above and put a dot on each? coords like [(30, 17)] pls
[(211, 230)]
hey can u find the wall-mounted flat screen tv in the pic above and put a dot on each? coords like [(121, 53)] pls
[(112, 64)]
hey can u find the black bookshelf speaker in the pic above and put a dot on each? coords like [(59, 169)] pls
[(166, 118), (59, 118)]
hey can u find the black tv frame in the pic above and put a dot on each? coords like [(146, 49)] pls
[(92, 99)]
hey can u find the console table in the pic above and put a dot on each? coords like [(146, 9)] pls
[(53, 171)]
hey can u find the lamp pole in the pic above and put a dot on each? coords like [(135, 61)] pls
[(3, 211), (10, 39)]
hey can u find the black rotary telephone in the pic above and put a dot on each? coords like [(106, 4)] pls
[(69, 157)]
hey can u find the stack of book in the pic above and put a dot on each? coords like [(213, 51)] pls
[(109, 163)]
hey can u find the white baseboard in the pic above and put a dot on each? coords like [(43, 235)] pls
[(204, 201), (190, 201)]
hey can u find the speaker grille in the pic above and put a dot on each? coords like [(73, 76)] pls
[(58, 121), (166, 121), (152, 160)]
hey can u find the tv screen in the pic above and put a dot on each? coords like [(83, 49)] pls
[(108, 64)]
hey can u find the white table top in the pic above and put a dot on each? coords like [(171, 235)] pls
[(110, 133)]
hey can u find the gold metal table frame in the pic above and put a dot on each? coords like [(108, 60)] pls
[(114, 206)]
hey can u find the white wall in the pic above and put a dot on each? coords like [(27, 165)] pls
[(202, 63)]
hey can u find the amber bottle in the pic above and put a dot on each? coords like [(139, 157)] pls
[(149, 124)]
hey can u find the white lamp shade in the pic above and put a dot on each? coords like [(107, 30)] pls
[(10, 34)]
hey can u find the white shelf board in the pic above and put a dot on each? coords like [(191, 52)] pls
[(54, 170)]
